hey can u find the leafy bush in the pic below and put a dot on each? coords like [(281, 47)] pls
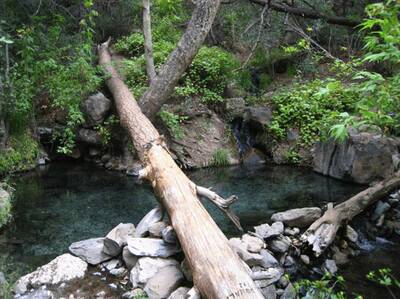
[(173, 121)]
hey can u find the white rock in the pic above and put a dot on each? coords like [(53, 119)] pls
[(164, 282), (253, 244), (151, 247), (298, 217), (63, 268), (155, 215), (266, 231), (116, 238), (90, 250), (147, 267), (179, 293)]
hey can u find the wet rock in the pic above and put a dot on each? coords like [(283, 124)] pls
[(187, 272), (169, 236), (155, 215), (96, 108), (305, 259), (268, 260), (351, 234), (330, 266), (253, 244), (129, 259), (89, 136), (289, 293), (101, 294), (269, 292), (155, 229), (38, 294), (151, 247), (119, 272), (251, 259), (363, 158), (63, 268), (280, 245), (179, 293), (298, 217), (147, 267), (112, 264), (116, 238), (90, 250), (164, 282), (380, 209), (266, 231)]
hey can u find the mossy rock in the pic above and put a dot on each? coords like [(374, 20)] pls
[(5, 206)]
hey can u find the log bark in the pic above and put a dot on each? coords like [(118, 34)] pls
[(323, 231), (163, 85), (306, 13), (217, 270), (148, 41)]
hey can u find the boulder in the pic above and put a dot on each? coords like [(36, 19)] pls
[(151, 247), (147, 267), (96, 108), (90, 250), (164, 282), (155, 215), (179, 293), (116, 238), (258, 114), (363, 158), (253, 244), (129, 259), (89, 136), (63, 268), (298, 217), (266, 231)]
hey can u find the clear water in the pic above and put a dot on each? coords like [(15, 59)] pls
[(66, 202)]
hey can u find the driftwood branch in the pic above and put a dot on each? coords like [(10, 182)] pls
[(222, 203), (323, 231)]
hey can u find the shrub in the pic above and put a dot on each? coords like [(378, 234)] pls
[(173, 121), (220, 158)]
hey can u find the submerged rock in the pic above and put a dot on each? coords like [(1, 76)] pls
[(63, 268), (298, 217), (151, 247), (90, 250), (164, 282)]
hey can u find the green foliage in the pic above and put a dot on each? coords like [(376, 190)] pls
[(105, 129), (383, 32), (312, 108), (21, 155), (385, 278), (220, 158), (327, 287), (173, 122), (132, 45)]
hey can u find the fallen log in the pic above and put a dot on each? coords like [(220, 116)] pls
[(323, 231), (217, 270)]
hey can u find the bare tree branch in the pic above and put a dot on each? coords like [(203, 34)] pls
[(148, 43)]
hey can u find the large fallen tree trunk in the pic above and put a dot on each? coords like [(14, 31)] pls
[(323, 231), (217, 270)]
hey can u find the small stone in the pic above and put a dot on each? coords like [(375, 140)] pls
[(96, 274), (267, 277), (266, 231), (129, 259), (253, 244), (393, 201), (305, 259), (179, 293), (101, 294), (289, 261), (280, 244), (155, 229), (193, 294), (380, 220), (351, 234), (298, 217), (380, 209), (169, 236), (292, 231), (268, 260), (289, 293), (340, 258), (119, 272), (113, 286), (112, 264), (117, 238), (151, 247), (155, 215), (38, 294), (269, 292), (283, 281), (330, 266), (164, 282), (251, 259), (187, 272)]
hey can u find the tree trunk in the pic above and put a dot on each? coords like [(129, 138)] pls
[(163, 84), (323, 231), (217, 270), (148, 43)]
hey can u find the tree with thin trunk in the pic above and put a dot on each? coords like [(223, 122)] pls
[(148, 43)]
